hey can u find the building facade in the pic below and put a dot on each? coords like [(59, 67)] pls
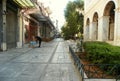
[(102, 21), (9, 28), (20, 20)]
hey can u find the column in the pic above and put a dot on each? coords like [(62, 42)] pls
[(86, 33), (21, 26), (19, 43), (90, 31), (4, 44), (103, 27), (117, 26), (94, 31)]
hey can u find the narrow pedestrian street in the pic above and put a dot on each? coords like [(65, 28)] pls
[(50, 62)]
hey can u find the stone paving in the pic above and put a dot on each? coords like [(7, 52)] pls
[(51, 62)]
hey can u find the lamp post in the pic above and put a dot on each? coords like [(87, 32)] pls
[(81, 13)]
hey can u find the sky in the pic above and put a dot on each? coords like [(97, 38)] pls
[(57, 7)]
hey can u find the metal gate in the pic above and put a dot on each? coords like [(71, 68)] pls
[(11, 29)]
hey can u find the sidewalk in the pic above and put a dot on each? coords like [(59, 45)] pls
[(51, 62)]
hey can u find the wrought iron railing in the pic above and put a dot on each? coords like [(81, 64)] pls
[(96, 71), (77, 62)]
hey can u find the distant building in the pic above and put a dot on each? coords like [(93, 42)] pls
[(102, 21)]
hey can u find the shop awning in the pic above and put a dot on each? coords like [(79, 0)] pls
[(24, 3)]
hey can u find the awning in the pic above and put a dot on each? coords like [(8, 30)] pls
[(39, 17), (24, 3)]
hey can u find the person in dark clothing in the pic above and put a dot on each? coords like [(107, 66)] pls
[(39, 40)]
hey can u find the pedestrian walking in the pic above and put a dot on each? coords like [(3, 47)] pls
[(39, 39)]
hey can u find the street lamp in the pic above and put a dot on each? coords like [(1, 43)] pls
[(81, 13)]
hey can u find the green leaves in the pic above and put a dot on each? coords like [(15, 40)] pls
[(73, 19), (102, 53)]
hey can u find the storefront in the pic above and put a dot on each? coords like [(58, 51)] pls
[(11, 25), (30, 30)]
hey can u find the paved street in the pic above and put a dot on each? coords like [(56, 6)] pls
[(51, 62)]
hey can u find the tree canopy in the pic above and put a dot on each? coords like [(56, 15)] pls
[(73, 19)]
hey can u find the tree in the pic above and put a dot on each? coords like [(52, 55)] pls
[(74, 22)]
